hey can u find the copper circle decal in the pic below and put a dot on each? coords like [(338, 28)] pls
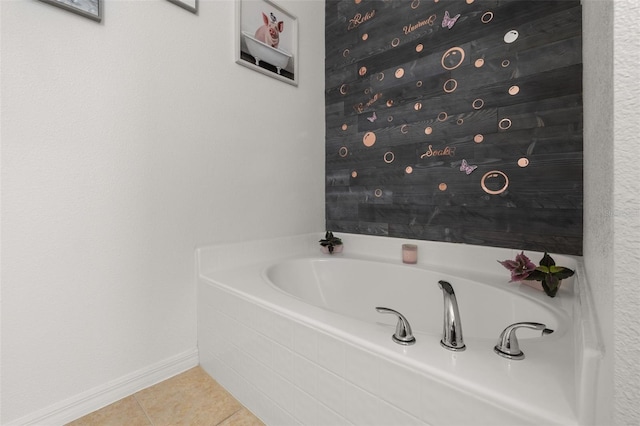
[(459, 121), (428, 131), (419, 47), (362, 71), (487, 17), (523, 162), (354, 174), (343, 151), (514, 90), (477, 104), (479, 63), (369, 139), (450, 85), (389, 157), (452, 58), (408, 170), (365, 36), (378, 192), (399, 73), (442, 186), (344, 126), (390, 103), (504, 124), (494, 179), (395, 42), (442, 116), (478, 138), (417, 106)]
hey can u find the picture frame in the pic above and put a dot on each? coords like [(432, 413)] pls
[(261, 25), (91, 9), (190, 5)]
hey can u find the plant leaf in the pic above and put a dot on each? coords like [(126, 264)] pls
[(563, 273), (550, 285), (547, 260), (549, 291), (536, 275), (543, 269)]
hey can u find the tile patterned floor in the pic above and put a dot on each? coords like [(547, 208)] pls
[(190, 398)]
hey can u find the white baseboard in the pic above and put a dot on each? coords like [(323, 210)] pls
[(101, 396)]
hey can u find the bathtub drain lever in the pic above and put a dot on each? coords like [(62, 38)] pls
[(403, 334)]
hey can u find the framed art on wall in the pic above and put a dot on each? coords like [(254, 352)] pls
[(190, 5), (91, 9), (267, 39)]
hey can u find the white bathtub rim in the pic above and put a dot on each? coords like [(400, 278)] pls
[(280, 51), (436, 255)]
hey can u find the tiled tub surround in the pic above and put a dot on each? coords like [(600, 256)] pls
[(290, 362)]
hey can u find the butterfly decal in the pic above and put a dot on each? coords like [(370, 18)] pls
[(448, 21), (373, 118), (466, 167)]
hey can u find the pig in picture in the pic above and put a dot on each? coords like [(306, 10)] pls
[(269, 33)]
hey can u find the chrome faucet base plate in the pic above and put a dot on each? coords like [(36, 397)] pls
[(453, 348), (404, 342), (517, 356)]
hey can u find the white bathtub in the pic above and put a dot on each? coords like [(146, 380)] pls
[(294, 335), (263, 52)]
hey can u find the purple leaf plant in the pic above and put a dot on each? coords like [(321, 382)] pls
[(522, 268)]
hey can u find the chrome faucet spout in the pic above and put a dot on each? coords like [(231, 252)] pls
[(452, 328), (446, 287)]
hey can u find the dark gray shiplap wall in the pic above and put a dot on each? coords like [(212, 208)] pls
[(469, 132)]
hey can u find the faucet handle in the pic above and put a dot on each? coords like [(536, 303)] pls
[(508, 345), (403, 334)]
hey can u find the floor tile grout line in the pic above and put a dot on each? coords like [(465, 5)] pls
[(143, 410), (229, 416)]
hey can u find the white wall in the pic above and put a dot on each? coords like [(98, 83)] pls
[(598, 182), (612, 209), (124, 146), (626, 215)]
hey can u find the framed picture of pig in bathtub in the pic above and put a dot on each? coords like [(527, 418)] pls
[(91, 9), (267, 39)]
